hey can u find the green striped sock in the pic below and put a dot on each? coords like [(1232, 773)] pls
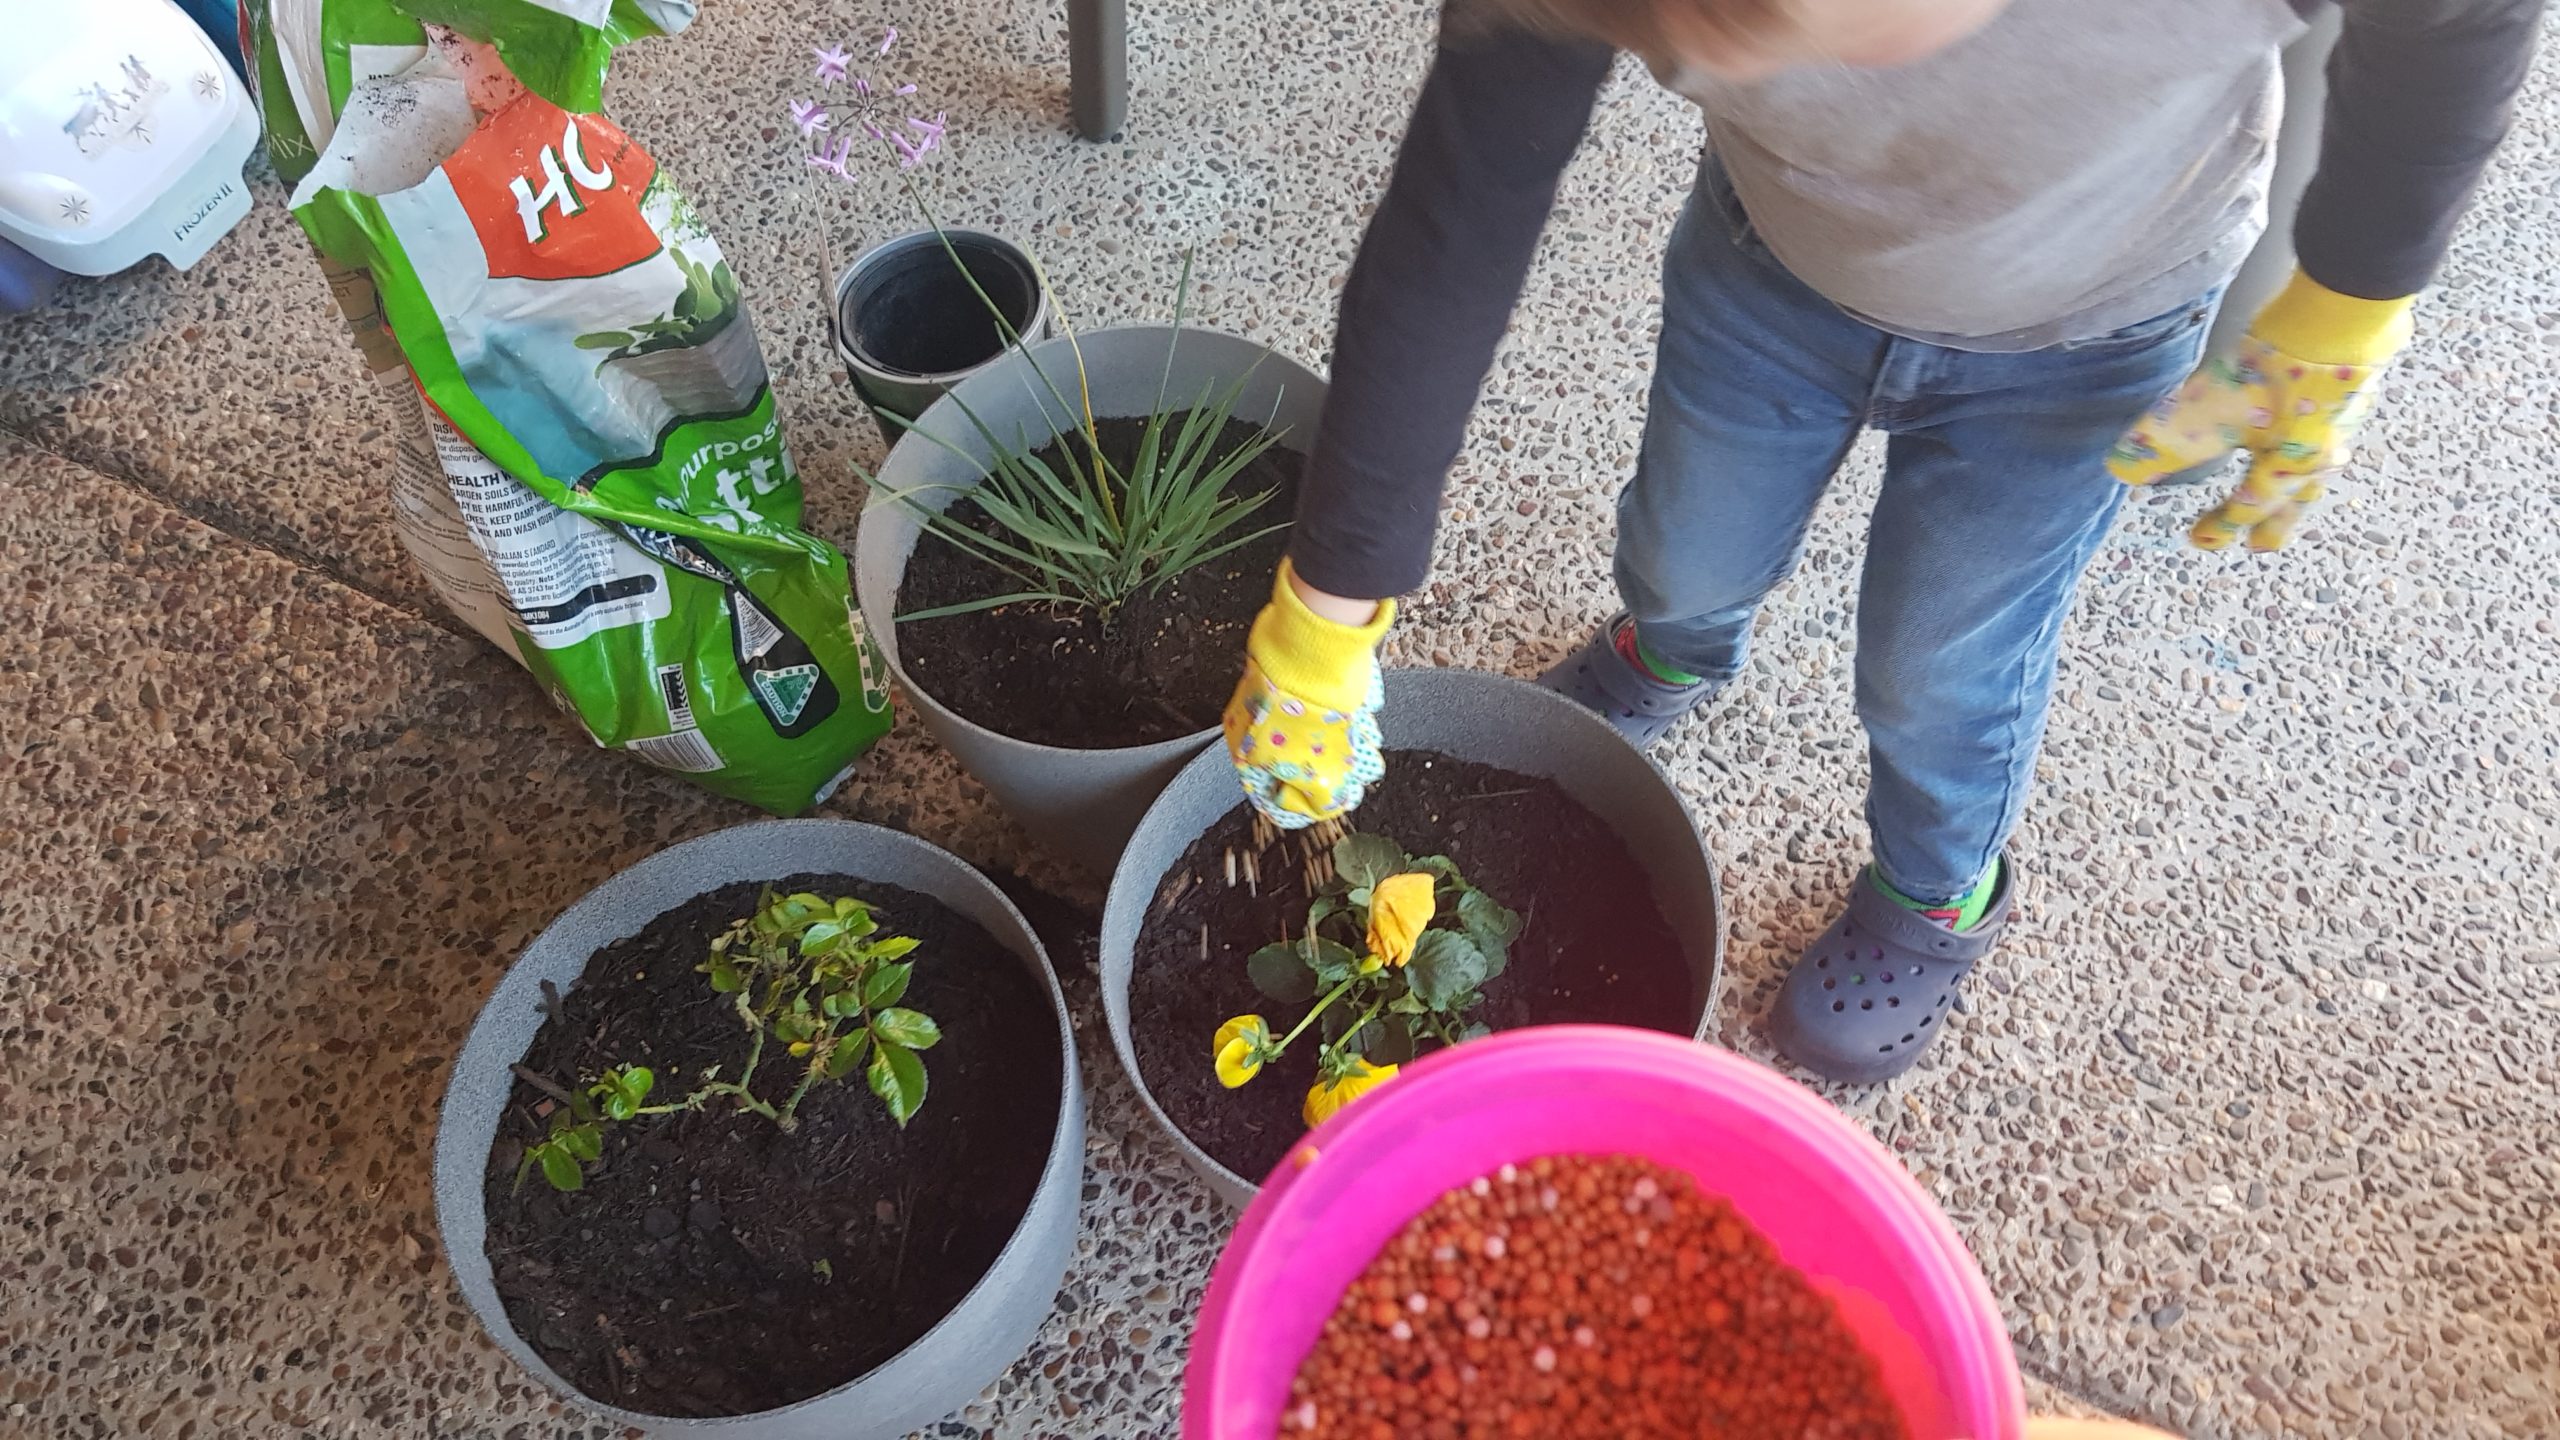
[(1960, 914)]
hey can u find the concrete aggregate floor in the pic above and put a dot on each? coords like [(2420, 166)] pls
[(2250, 1124)]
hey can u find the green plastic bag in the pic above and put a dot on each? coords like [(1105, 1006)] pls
[(605, 489)]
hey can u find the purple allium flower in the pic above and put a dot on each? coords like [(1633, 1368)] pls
[(831, 64), (872, 128), (889, 39), (907, 89), (809, 116), (830, 156), (930, 129), (862, 86), (909, 157)]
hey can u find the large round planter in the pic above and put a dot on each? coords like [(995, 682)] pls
[(1490, 719), (990, 1327), (1082, 804)]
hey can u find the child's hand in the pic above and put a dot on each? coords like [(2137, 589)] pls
[(1303, 726), (2295, 414)]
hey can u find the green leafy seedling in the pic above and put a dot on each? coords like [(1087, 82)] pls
[(812, 973)]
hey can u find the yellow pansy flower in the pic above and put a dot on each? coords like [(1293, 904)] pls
[(1239, 1048), (1400, 909), (1326, 1097)]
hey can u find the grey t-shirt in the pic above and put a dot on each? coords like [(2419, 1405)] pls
[(2077, 166), (2073, 167)]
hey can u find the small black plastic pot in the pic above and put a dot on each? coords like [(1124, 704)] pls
[(909, 326)]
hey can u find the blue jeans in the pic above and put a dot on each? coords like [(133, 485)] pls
[(1995, 497)]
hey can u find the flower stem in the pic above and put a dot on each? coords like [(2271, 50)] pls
[(789, 1118), (1310, 1016)]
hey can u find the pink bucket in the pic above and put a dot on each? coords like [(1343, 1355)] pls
[(1836, 1204)]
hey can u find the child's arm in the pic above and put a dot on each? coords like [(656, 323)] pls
[(2421, 92), (1431, 294), (1428, 300)]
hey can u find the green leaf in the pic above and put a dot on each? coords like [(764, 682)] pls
[(1406, 1004), (897, 1077), (585, 1142), (1445, 966), (841, 1004), (792, 1027), (1282, 972), (725, 978), (1440, 865), (1364, 860), (1324, 908), (886, 985), (1484, 918), (563, 1172), (602, 340), (972, 607), (1334, 963), (823, 938), (911, 1028), (847, 1054), (1476, 1030), (895, 947), (1492, 927)]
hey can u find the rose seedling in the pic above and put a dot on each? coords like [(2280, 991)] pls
[(815, 975)]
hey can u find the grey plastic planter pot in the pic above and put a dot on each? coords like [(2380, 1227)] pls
[(1489, 719), (990, 1327), (1082, 804)]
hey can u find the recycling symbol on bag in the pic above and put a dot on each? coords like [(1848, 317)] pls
[(785, 691)]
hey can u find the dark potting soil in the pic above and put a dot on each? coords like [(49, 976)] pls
[(1056, 675), (1596, 948), (716, 1266)]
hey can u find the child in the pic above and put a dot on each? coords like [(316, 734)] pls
[(1996, 230)]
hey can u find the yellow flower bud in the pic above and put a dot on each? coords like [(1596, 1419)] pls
[(1239, 1048), (1400, 909), (1327, 1097)]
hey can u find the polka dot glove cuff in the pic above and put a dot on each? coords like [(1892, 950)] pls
[(2292, 395), (1303, 726)]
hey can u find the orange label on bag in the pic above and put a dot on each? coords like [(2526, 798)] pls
[(554, 196)]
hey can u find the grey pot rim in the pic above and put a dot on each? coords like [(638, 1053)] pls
[(1064, 1165), (1115, 1000), (853, 355), (884, 629)]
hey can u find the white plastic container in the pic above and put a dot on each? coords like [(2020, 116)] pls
[(122, 134)]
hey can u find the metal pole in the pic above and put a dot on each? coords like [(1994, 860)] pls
[(1098, 62)]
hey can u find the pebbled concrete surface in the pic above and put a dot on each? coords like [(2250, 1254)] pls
[(2249, 1126)]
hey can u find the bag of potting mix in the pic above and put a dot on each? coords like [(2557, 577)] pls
[(598, 482)]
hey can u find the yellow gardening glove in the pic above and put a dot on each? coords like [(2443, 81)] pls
[(1303, 726), (2293, 395)]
